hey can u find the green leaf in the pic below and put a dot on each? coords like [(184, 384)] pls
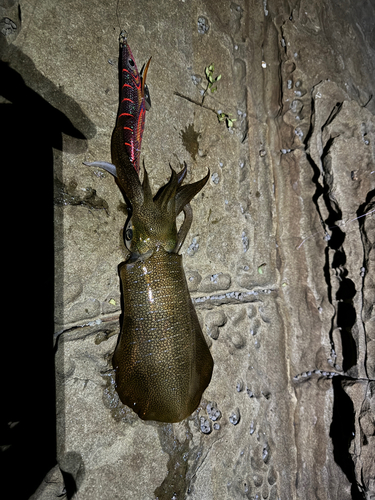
[(260, 268)]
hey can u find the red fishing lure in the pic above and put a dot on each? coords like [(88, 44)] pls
[(134, 102)]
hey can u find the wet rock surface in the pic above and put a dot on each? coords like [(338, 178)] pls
[(280, 258)]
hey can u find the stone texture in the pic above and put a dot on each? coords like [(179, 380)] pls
[(279, 260)]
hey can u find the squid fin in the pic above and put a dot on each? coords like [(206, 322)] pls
[(109, 167)]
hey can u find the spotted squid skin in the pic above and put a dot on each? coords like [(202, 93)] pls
[(162, 361)]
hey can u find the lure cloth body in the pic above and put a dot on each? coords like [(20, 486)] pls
[(133, 103), (162, 361)]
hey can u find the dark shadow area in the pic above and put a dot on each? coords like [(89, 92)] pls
[(342, 433), (70, 484), (363, 209), (74, 464), (346, 314), (179, 481), (343, 300), (346, 318), (31, 134)]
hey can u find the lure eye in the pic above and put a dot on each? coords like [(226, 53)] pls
[(129, 234), (131, 62)]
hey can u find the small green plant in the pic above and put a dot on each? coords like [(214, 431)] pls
[(261, 268), (212, 85), (227, 118), (209, 70)]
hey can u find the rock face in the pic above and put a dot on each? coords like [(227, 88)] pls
[(280, 258)]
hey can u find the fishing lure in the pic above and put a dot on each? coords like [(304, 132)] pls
[(134, 102), (162, 361)]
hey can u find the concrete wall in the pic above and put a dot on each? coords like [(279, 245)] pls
[(279, 259)]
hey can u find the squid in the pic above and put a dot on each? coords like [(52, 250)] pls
[(162, 362)]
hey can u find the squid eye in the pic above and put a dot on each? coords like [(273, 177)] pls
[(131, 62), (129, 234)]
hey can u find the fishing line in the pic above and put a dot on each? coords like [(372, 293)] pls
[(327, 236), (118, 17)]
